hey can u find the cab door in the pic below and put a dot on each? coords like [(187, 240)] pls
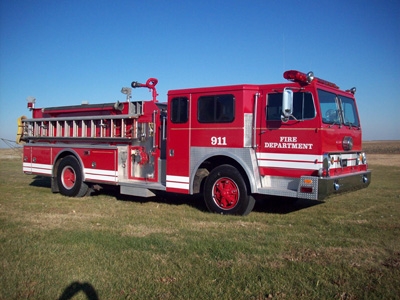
[(288, 144), (178, 143)]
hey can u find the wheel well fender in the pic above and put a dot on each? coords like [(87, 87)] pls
[(64, 153), (207, 164)]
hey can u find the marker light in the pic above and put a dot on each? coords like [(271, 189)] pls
[(310, 77), (308, 181), (352, 90), (361, 159), (364, 158)]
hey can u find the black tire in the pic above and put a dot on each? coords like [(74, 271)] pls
[(69, 178), (225, 192)]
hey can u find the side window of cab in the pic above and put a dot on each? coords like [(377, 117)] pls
[(216, 109), (179, 110), (303, 106)]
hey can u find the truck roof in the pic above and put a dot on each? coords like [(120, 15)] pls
[(236, 87)]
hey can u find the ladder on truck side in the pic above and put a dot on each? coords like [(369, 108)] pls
[(89, 127)]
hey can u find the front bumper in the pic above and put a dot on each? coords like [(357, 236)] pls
[(315, 188)]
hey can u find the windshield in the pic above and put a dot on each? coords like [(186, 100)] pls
[(337, 109)]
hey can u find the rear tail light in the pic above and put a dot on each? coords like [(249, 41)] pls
[(305, 189)]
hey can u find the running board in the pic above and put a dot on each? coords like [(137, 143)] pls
[(278, 192), (144, 190)]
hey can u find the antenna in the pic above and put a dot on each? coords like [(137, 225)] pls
[(283, 52)]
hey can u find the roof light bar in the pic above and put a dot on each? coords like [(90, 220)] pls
[(301, 77), (294, 75)]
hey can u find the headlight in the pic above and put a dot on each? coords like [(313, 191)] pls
[(347, 143)]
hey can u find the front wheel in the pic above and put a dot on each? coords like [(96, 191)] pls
[(69, 178), (225, 192)]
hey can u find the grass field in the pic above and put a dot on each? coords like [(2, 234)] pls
[(168, 247)]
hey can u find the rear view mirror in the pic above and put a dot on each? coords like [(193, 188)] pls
[(287, 104)]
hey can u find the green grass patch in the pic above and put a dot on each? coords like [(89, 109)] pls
[(168, 247)]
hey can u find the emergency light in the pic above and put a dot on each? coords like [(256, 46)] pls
[(297, 76), (31, 102)]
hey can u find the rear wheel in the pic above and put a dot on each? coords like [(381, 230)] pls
[(69, 178), (225, 192)]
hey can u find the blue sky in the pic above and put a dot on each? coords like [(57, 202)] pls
[(65, 52)]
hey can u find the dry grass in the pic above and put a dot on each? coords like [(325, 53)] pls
[(11, 153), (382, 147), (385, 153)]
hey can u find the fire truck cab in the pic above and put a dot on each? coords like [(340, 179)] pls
[(300, 139)]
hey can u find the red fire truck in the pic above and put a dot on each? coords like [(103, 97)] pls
[(299, 139)]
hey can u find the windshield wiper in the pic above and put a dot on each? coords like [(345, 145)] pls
[(336, 119), (334, 123), (350, 124)]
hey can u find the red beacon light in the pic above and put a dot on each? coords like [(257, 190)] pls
[(303, 78), (31, 102), (297, 76)]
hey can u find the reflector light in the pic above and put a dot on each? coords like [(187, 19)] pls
[(307, 181)]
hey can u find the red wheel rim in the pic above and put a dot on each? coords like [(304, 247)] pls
[(68, 177), (225, 193)]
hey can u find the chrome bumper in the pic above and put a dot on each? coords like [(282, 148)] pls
[(315, 188)]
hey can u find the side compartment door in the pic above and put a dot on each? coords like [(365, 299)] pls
[(27, 160), (178, 141)]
